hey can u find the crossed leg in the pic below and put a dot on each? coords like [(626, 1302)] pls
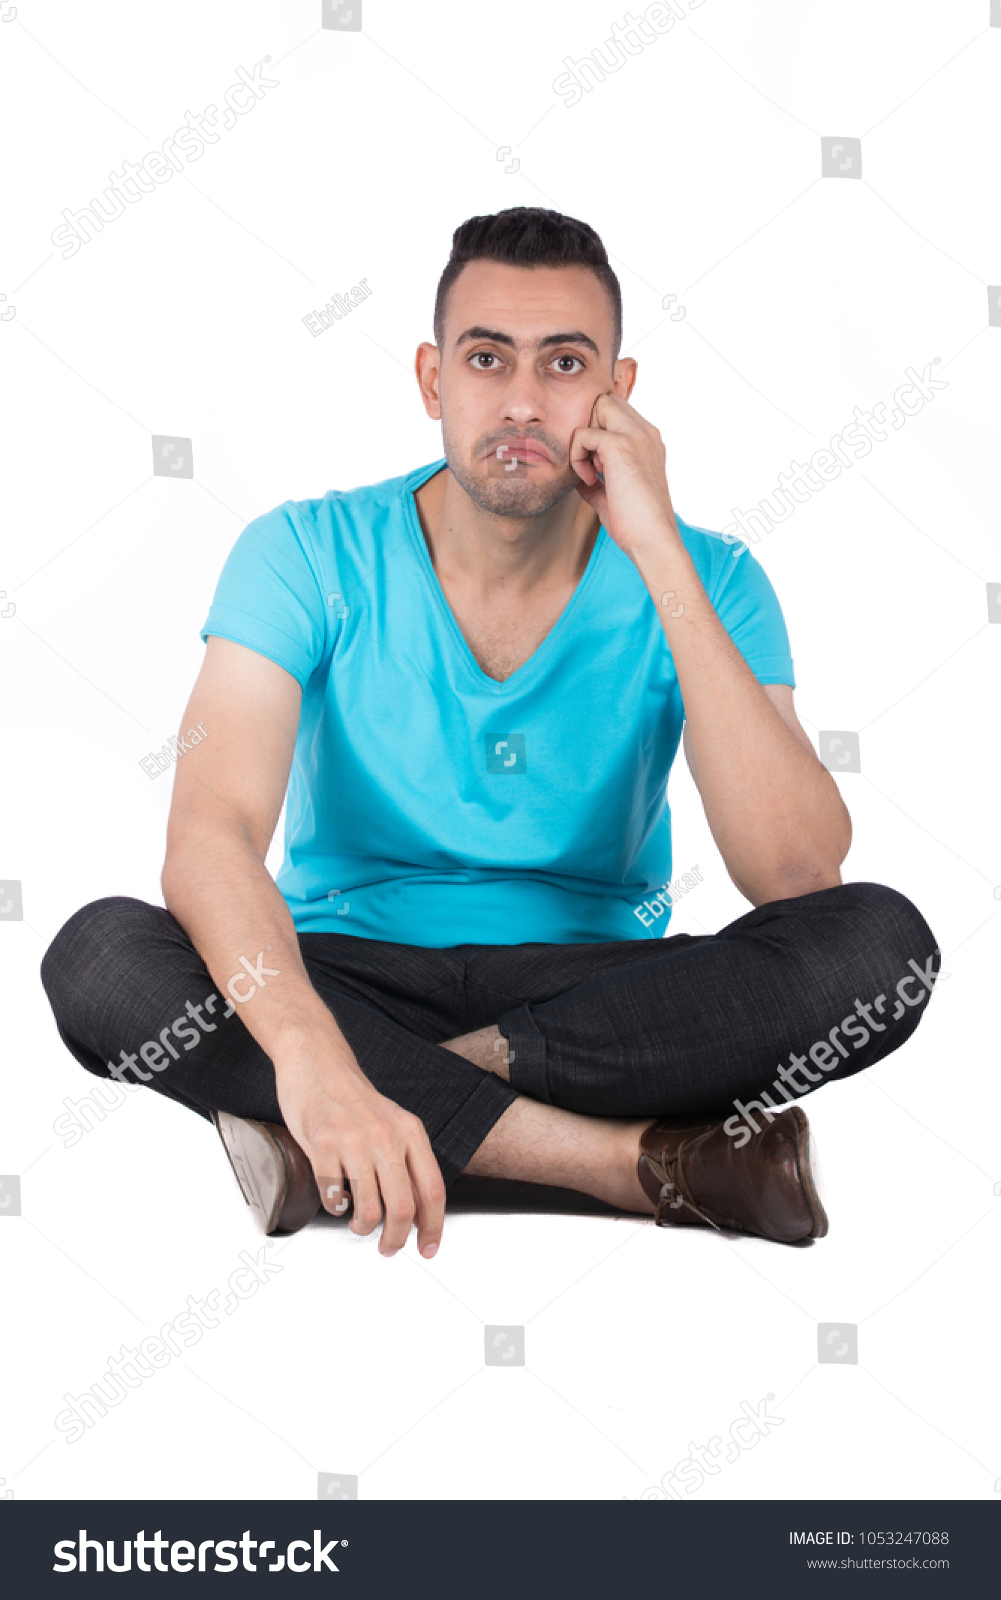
[(716, 1018), (589, 1043), (545, 1144)]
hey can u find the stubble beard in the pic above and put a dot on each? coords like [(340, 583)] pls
[(516, 496)]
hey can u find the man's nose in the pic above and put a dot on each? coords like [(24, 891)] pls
[(525, 400)]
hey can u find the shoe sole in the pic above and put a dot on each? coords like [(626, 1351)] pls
[(804, 1143), (258, 1166)]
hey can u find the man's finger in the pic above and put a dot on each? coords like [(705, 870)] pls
[(367, 1202), (613, 414), (335, 1196), (398, 1199), (429, 1187), (585, 443)]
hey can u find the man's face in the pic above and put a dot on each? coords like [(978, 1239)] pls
[(526, 352)]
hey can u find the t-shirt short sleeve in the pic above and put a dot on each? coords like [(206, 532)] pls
[(268, 596), (749, 609)]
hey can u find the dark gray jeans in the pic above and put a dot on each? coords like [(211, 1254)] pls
[(635, 1028)]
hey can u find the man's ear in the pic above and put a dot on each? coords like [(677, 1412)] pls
[(427, 365), (623, 377)]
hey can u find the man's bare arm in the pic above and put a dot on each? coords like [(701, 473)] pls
[(227, 797), (801, 871), (228, 794), (774, 811)]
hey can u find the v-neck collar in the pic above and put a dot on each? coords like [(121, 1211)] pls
[(521, 674)]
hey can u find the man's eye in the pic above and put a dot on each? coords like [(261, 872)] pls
[(569, 365), (481, 357)]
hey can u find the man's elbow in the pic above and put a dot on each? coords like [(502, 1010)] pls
[(808, 880), (803, 871), (792, 879), (787, 884)]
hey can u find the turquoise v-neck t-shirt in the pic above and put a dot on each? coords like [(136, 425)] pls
[(431, 805)]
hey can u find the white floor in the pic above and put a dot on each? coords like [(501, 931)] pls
[(805, 298)]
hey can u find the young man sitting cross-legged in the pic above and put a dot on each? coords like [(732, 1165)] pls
[(472, 680)]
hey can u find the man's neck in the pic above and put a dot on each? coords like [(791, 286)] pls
[(487, 554)]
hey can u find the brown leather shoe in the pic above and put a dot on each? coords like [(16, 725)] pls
[(272, 1170), (697, 1174)]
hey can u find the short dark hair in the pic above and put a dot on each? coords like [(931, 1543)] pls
[(529, 236)]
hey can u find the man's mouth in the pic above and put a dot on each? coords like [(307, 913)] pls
[(528, 451)]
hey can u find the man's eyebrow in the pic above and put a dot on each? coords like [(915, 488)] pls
[(546, 343), (569, 338), (476, 332)]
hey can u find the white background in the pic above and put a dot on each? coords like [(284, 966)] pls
[(699, 162)]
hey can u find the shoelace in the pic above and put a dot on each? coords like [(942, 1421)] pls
[(666, 1172)]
